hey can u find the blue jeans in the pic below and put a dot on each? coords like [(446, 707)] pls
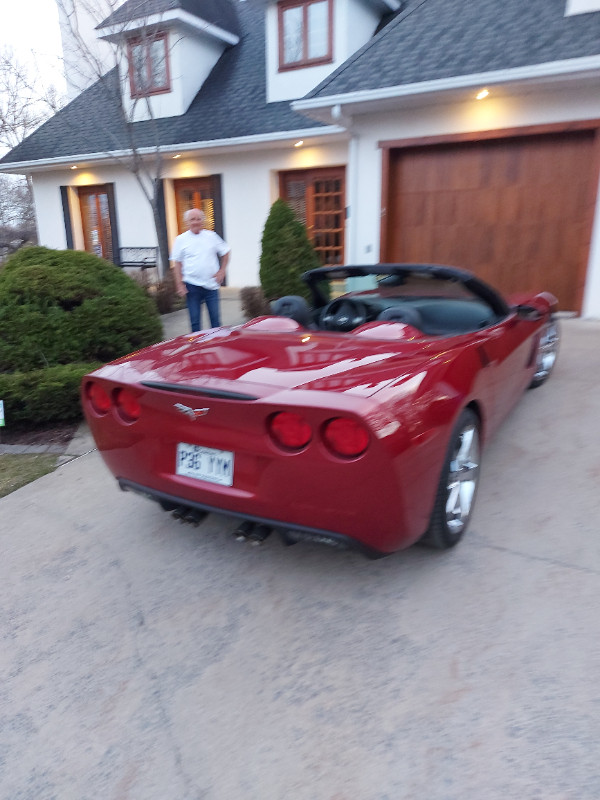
[(196, 295)]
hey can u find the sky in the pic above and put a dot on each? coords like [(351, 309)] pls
[(30, 28)]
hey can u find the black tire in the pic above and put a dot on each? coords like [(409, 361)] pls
[(457, 488), (547, 353)]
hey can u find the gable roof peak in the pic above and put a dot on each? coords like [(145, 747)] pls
[(219, 14)]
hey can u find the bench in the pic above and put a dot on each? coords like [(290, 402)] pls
[(141, 257)]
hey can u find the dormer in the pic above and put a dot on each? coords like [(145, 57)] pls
[(581, 7), (309, 39), (165, 56)]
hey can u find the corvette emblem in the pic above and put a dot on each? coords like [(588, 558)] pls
[(192, 413)]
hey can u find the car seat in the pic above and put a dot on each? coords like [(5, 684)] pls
[(294, 307)]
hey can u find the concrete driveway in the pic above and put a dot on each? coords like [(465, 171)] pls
[(145, 660)]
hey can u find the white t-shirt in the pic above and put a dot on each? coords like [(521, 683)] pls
[(199, 254)]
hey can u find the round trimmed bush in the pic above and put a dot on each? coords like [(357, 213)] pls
[(62, 312), (65, 306)]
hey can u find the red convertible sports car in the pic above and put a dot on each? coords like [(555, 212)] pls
[(357, 420)]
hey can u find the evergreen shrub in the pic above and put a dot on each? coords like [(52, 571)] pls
[(286, 253), (65, 306), (63, 312), (43, 396)]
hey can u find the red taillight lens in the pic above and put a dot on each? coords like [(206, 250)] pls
[(346, 437), (290, 430), (127, 405), (98, 397)]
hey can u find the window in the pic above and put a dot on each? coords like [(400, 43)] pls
[(317, 197), (305, 33), (97, 210), (148, 65), (203, 193)]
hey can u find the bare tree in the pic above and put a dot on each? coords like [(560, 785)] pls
[(17, 219), (100, 64), (25, 102)]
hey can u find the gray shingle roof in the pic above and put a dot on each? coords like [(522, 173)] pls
[(231, 103), (433, 39), (217, 12), (427, 40)]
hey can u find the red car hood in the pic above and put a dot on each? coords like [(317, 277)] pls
[(263, 362)]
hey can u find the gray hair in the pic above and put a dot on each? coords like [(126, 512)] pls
[(186, 215)]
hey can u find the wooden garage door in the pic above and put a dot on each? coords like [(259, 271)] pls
[(517, 212)]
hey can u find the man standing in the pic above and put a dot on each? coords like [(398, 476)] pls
[(200, 259)]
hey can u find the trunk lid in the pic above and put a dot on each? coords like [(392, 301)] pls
[(259, 364)]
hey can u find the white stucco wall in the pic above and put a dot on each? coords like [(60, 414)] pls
[(134, 216), (203, 52), (591, 297), (581, 6), (249, 187)]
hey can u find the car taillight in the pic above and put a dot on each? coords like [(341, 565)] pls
[(346, 437), (127, 405), (98, 397), (290, 430)]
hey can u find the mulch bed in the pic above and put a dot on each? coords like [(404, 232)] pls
[(59, 435)]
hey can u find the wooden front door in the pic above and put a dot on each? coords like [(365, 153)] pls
[(318, 198), (95, 205), (515, 211), (202, 193)]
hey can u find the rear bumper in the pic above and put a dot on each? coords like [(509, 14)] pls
[(290, 532)]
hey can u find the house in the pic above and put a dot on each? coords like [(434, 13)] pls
[(464, 132)]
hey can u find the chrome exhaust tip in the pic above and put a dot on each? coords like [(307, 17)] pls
[(243, 530)]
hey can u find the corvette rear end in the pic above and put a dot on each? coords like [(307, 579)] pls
[(357, 422), (307, 447)]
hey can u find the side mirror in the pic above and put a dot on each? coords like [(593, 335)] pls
[(534, 307)]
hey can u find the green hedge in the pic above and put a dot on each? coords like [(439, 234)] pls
[(43, 396), (65, 306), (62, 313)]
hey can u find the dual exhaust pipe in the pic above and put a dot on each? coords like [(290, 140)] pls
[(246, 531), (253, 532)]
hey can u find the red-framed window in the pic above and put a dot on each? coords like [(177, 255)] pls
[(149, 65), (305, 33), (318, 199), (97, 209)]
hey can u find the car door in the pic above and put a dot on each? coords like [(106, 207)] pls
[(507, 349)]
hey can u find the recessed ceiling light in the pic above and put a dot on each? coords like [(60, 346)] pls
[(482, 94), (74, 166), (299, 144)]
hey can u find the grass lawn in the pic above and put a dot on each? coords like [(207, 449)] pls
[(18, 470)]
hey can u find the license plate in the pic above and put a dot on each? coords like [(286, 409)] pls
[(205, 464)]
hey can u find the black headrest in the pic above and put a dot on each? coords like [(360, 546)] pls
[(403, 313), (294, 307)]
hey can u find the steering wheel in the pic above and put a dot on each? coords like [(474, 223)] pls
[(343, 314)]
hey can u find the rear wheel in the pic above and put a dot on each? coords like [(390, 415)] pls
[(458, 484), (547, 353)]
